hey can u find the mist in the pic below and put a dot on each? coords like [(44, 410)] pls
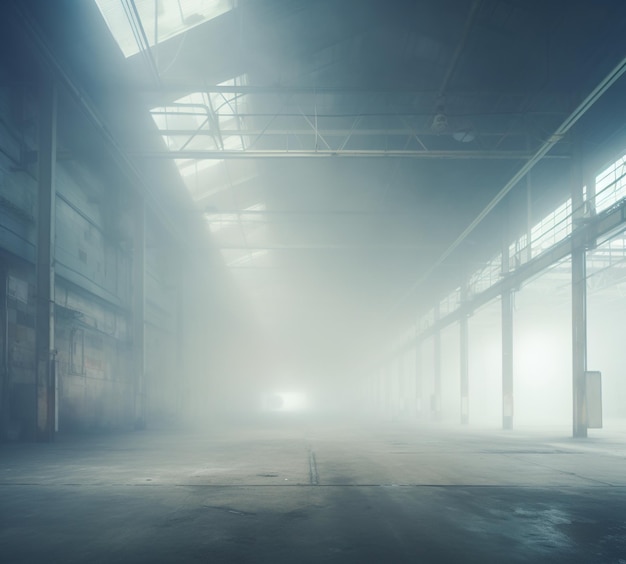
[(294, 281)]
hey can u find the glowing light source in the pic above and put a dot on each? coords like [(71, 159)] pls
[(283, 402)]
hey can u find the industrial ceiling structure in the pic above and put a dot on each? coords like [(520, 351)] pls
[(312, 280), (352, 162)]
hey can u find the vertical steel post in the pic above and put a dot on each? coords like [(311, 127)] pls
[(507, 338), (4, 352), (529, 215), (401, 386), (182, 380), (464, 358), (138, 298), (579, 301), (436, 407), (388, 391), (381, 391), (529, 203), (418, 379), (507, 359), (45, 384)]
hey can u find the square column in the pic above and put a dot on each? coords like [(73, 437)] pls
[(506, 299), (579, 301), (464, 369), (436, 399), (507, 359), (45, 377), (138, 313)]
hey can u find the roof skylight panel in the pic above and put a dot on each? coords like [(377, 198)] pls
[(157, 21)]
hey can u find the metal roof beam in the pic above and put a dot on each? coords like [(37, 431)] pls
[(540, 154), (326, 153), (322, 246), (325, 132)]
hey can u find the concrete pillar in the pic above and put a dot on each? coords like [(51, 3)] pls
[(46, 400), (436, 400), (507, 359), (464, 368), (381, 391), (418, 379), (401, 386), (138, 312), (4, 350), (579, 341), (529, 203), (579, 304), (181, 357), (507, 339)]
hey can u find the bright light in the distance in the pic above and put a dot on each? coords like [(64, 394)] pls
[(284, 402)]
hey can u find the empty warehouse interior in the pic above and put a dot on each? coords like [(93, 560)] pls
[(312, 281)]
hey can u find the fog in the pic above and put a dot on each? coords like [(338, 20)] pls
[(298, 311), (298, 272), (290, 343), (256, 262)]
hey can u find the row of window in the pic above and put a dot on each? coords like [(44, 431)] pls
[(554, 227)]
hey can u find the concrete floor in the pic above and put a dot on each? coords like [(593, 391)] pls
[(304, 492)]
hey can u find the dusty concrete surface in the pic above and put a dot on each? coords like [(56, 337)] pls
[(306, 492)]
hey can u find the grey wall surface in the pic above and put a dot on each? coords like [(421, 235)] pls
[(93, 247)]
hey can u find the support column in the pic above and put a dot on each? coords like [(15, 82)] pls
[(507, 341), (579, 341), (529, 202), (381, 392), (579, 305), (418, 379), (46, 400), (4, 350), (507, 359), (139, 245), (436, 403), (529, 215), (464, 360), (401, 386), (182, 381)]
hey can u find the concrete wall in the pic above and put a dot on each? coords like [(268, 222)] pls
[(93, 312)]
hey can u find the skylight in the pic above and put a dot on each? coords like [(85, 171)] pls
[(219, 220), (138, 25), (203, 121), (192, 167), (213, 121)]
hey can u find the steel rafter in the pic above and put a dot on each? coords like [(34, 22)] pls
[(330, 153)]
